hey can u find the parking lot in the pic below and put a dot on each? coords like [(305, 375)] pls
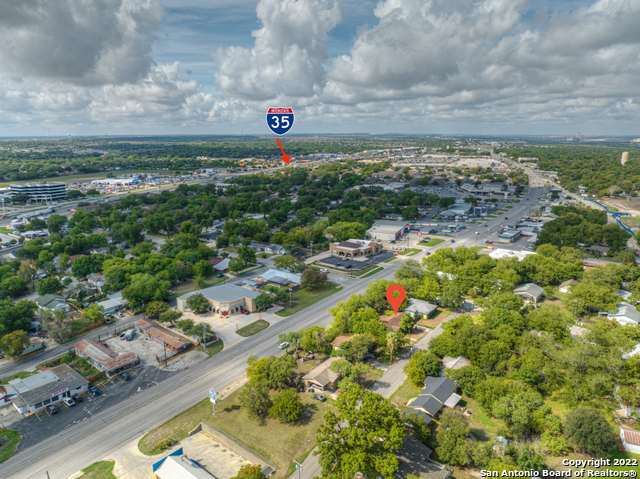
[(358, 263)]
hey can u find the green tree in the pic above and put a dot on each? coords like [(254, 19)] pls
[(144, 288), (409, 270), (286, 406), (421, 429), (156, 308), (453, 430), (286, 261), (16, 316), (247, 255), (197, 302), (316, 339), (406, 323), (170, 316), (588, 429), (421, 365), (93, 313), (362, 437), (13, 344), (552, 440), (14, 286), (392, 343), (255, 398), (236, 265), (263, 301), (313, 278), (49, 286), (249, 471)]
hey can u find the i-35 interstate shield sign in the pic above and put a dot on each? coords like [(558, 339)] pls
[(280, 120)]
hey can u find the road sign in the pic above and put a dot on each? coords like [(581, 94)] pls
[(280, 120), (212, 393), (419, 234)]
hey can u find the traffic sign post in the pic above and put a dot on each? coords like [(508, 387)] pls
[(214, 402), (280, 120)]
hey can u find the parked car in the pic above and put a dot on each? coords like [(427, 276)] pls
[(94, 390), (69, 402), (125, 376), (453, 241), (120, 315), (318, 397), (52, 409), (220, 275), (107, 320), (477, 232), (77, 398), (347, 266), (284, 345)]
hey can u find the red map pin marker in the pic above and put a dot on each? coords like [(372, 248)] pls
[(396, 302)]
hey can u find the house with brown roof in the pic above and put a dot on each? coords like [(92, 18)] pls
[(104, 359), (392, 322), (355, 247), (630, 440), (322, 377), (341, 339), (153, 330)]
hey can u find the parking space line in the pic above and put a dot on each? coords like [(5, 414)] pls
[(230, 459), (221, 454), (38, 417), (47, 413), (238, 464)]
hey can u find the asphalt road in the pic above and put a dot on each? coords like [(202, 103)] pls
[(78, 446)]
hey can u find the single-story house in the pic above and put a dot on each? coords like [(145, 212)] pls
[(355, 247), (153, 330), (413, 459), (276, 249), (220, 266), (392, 322), (52, 301), (630, 440), (280, 278), (418, 306), (625, 314), (529, 292), (565, 287), (36, 392), (35, 345), (438, 392), (106, 360), (112, 305), (591, 263), (224, 299), (322, 377)]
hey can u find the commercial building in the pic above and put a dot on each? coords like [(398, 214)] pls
[(178, 466), (459, 209), (110, 306), (41, 191), (386, 230), (224, 299), (280, 278), (116, 181), (153, 330), (509, 236), (106, 360), (355, 247), (36, 392)]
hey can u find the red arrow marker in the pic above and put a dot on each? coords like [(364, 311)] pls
[(285, 158)]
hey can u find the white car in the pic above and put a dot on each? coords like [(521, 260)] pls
[(69, 402), (283, 345), (477, 232)]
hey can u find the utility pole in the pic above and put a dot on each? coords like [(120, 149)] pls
[(298, 467), (290, 290), (575, 305)]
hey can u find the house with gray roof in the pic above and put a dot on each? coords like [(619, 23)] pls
[(625, 314), (322, 377), (529, 292), (413, 459), (437, 392), (418, 306), (52, 301)]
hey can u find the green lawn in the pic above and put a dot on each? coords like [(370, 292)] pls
[(253, 328), (372, 272), (390, 259), (278, 442), (303, 299), (405, 392), (7, 449), (411, 251), (99, 470), (213, 348), (432, 242)]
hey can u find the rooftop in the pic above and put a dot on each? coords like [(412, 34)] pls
[(322, 374), (224, 293), (413, 460), (626, 310), (420, 306), (103, 355), (63, 376), (530, 288), (438, 387)]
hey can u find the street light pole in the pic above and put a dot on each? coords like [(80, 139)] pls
[(298, 467), (290, 290)]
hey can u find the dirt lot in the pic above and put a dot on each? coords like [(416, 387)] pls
[(623, 205)]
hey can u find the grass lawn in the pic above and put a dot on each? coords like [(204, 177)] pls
[(20, 375), (99, 470), (213, 348), (508, 207), (479, 421), (7, 449), (372, 272), (411, 251), (390, 259), (303, 299), (405, 392), (280, 443), (432, 242), (253, 328), (6, 231)]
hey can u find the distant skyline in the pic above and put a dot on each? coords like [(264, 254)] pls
[(492, 67)]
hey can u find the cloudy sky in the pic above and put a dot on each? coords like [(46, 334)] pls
[(404, 66)]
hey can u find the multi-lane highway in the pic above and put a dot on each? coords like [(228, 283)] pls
[(93, 438)]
